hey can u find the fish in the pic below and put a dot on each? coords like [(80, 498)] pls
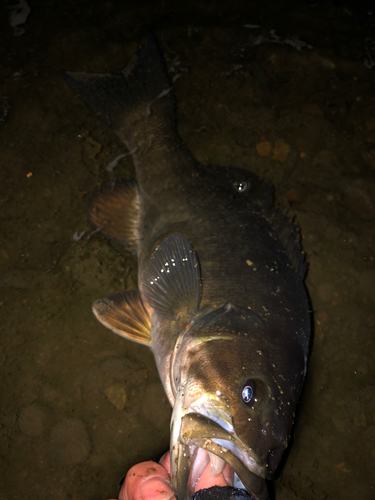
[(221, 299)]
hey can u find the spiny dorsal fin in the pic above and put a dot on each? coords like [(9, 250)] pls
[(115, 210), (171, 280), (289, 235), (125, 314)]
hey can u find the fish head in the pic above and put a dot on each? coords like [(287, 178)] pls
[(236, 387)]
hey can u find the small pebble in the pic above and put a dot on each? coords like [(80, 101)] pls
[(281, 151), (116, 395), (263, 148)]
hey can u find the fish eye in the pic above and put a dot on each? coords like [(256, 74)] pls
[(247, 394), (241, 186), (251, 393)]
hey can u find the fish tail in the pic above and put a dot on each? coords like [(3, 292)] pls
[(136, 103)]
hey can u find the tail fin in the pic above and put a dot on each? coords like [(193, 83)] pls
[(134, 102)]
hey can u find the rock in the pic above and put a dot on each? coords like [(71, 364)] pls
[(369, 437), (69, 442), (281, 151), (263, 148), (368, 156), (367, 280), (116, 395), (324, 157), (313, 109), (325, 292), (359, 198), (360, 420), (50, 394), (370, 123), (371, 138), (156, 406), (91, 147), (32, 421), (294, 195)]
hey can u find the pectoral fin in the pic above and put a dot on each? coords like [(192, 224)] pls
[(115, 210), (125, 314), (171, 281)]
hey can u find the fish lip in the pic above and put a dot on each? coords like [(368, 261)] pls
[(246, 466)]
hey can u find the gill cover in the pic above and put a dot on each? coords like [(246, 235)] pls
[(202, 416)]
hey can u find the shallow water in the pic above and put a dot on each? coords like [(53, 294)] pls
[(292, 100)]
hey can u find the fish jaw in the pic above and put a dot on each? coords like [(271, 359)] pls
[(192, 432), (220, 354)]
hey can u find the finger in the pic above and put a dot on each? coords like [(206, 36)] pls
[(207, 479), (147, 481), (166, 462)]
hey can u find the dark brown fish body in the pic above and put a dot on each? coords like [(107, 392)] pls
[(221, 298)]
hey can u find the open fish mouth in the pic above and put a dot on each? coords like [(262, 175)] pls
[(195, 440)]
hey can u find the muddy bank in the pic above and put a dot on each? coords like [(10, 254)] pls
[(286, 91)]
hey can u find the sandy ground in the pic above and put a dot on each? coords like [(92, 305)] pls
[(285, 90)]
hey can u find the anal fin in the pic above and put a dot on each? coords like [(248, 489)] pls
[(115, 210), (125, 314)]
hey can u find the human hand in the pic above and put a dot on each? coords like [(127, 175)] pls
[(151, 481)]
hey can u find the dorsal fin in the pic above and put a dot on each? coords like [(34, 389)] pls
[(289, 235), (171, 280), (115, 210), (125, 314)]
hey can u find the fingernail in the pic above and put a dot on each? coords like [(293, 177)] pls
[(156, 488)]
